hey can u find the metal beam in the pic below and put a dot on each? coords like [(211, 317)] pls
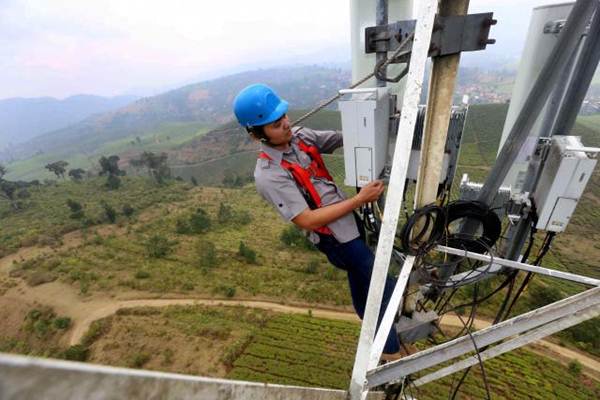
[(414, 82), (522, 266), (485, 337), (381, 19), (522, 340), (390, 312), (583, 73)]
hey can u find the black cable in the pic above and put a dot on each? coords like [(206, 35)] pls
[(543, 251), (483, 373)]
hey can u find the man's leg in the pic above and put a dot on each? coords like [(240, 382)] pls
[(357, 259)]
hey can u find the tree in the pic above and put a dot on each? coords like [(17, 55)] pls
[(3, 171), (76, 209), (8, 191), (155, 164), (194, 181), (110, 167), (76, 174), (58, 167)]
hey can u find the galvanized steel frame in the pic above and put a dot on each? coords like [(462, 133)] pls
[(588, 301), (530, 326), (410, 106)]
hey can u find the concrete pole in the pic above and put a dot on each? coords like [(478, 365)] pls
[(437, 118)]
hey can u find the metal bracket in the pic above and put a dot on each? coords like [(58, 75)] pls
[(451, 35)]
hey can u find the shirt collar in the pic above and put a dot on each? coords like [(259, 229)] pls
[(277, 155)]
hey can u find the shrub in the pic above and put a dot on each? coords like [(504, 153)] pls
[(243, 218), (187, 286), (158, 246), (225, 213), (292, 236), (194, 181), (139, 359), (128, 210), (207, 254), (575, 367), (41, 327), (113, 182), (62, 323), (76, 209), (142, 275), (109, 212), (182, 227), (247, 253), (76, 353), (229, 291), (199, 221)]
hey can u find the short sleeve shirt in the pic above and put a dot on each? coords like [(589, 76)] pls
[(278, 187)]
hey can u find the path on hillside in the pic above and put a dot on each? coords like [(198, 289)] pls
[(85, 310)]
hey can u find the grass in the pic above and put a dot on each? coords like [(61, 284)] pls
[(112, 262), (246, 344), (46, 216)]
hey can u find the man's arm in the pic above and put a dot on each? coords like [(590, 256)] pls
[(313, 219), (326, 141)]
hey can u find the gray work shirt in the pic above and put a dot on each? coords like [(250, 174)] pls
[(278, 187)]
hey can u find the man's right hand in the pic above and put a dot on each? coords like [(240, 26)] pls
[(370, 192)]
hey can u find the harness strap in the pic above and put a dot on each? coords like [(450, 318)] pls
[(302, 175)]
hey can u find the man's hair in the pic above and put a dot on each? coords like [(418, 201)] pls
[(258, 132)]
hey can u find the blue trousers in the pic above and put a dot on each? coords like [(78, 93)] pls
[(357, 259)]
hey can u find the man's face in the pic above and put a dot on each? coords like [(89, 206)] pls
[(279, 132)]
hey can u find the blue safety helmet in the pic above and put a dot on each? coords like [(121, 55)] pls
[(258, 105)]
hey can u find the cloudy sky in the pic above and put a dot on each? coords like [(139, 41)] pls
[(109, 47)]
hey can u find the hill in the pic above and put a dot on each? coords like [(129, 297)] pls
[(22, 119), (207, 103)]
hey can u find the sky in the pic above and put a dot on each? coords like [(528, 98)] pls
[(60, 48)]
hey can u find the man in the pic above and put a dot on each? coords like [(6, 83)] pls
[(290, 174)]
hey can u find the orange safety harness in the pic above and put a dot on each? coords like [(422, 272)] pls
[(302, 176)]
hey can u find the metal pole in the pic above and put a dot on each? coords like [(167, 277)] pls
[(536, 99), (522, 266), (584, 72), (381, 18), (437, 117)]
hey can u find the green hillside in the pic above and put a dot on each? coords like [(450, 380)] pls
[(206, 103), (162, 138), (185, 241)]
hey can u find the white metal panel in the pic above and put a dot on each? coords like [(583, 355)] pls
[(564, 177), (365, 125), (538, 47), (364, 165)]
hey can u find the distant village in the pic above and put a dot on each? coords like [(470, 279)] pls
[(484, 87)]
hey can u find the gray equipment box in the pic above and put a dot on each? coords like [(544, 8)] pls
[(365, 126), (564, 176)]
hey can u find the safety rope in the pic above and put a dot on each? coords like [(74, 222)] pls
[(360, 82)]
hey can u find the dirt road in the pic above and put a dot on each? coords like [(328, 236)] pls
[(84, 310)]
